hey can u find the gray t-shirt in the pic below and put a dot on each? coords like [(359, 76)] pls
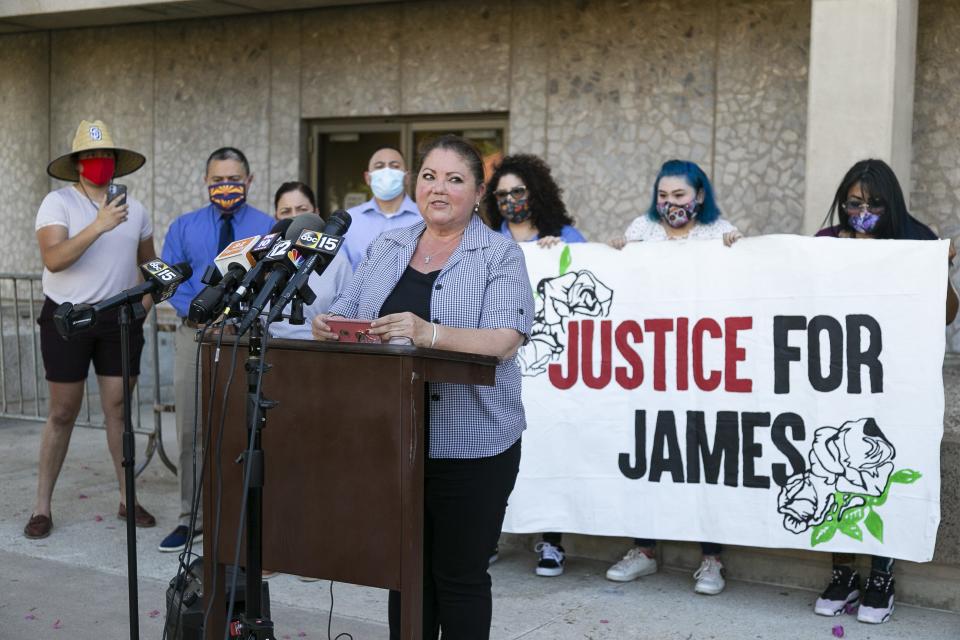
[(109, 265)]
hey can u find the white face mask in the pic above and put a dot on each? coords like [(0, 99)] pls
[(387, 183)]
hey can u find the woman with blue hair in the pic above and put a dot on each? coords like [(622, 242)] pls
[(682, 208)]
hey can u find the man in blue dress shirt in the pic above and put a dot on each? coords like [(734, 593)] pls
[(390, 207), (197, 237)]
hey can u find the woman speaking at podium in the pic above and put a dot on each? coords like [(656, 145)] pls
[(451, 282)]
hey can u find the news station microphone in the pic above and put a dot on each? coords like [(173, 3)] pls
[(160, 282), (320, 249), (254, 275), (231, 265), (283, 261)]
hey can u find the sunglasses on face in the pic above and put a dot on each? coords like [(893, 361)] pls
[(516, 193), (854, 207)]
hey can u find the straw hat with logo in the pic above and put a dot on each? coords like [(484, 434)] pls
[(92, 136)]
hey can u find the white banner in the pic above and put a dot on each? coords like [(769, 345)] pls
[(784, 392)]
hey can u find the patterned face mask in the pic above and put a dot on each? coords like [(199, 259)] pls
[(678, 215), (864, 222), (514, 210), (228, 196)]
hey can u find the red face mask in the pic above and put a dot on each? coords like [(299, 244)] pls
[(97, 170)]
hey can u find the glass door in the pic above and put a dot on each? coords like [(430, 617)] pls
[(340, 150)]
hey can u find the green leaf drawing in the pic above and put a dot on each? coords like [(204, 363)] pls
[(565, 260), (822, 533), (877, 501), (874, 524), (854, 515), (905, 476), (851, 529)]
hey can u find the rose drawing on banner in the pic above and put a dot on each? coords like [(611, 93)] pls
[(570, 295), (851, 472)]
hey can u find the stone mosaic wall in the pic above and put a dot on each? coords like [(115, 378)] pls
[(605, 90), (24, 142)]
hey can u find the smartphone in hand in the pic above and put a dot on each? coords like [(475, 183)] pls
[(351, 330), (114, 190)]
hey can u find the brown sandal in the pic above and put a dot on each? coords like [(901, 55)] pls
[(141, 516)]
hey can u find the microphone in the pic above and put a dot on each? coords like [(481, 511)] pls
[(160, 282), (232, 264), (284, 260), (253, 276), (321, 248)]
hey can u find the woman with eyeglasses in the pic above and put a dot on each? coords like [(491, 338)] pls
[(682, 207), (869, 205), (523, 202)]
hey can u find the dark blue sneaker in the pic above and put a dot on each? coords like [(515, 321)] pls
[(177, 540)]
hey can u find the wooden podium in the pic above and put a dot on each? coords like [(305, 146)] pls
[(343, 458)]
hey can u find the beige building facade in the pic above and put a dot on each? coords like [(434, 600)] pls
[(604, 90), (774, 98)]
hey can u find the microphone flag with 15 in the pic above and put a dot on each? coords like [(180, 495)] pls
[(160, 282)]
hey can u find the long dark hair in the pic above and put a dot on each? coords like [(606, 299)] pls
[(547, 211), (877, 179)]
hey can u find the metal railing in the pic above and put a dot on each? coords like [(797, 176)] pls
[(23, 389)]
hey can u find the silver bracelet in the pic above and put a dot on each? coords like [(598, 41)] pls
[(434, 340)]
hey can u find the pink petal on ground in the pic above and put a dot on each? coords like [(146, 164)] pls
[(29, 616), (302, 634), (98, 518), (82, 496), (838, 631), (58, 624), (154, 613), (604, 622)]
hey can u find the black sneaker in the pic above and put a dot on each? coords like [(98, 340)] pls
[(877, 606), (841, 594), (552, 558)]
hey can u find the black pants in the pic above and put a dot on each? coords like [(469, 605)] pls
[(464, 503), (708, 548), (877, 563)]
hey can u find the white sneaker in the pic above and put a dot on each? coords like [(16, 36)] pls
[(709, 577), (552, 558), (632, 566)]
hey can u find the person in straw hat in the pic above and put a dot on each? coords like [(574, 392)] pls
[(90, 250)]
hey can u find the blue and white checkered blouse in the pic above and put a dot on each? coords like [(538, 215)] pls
[(484, 285)]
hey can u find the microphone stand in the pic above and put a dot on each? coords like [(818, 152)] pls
[(128, 312), (251, 624)]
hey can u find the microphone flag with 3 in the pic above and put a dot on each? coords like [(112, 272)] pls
[(253, 276), (160, 282), (283, 261), (320, 249)]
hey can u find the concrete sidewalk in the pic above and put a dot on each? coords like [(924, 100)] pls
[(73, 584)]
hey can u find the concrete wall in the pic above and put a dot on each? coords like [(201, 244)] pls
[(605, 90)]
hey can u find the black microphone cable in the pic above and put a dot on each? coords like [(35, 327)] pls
[(246, 486), (185, 557), (218, 491)]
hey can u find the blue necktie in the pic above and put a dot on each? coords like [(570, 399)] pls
[(226, 232)]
